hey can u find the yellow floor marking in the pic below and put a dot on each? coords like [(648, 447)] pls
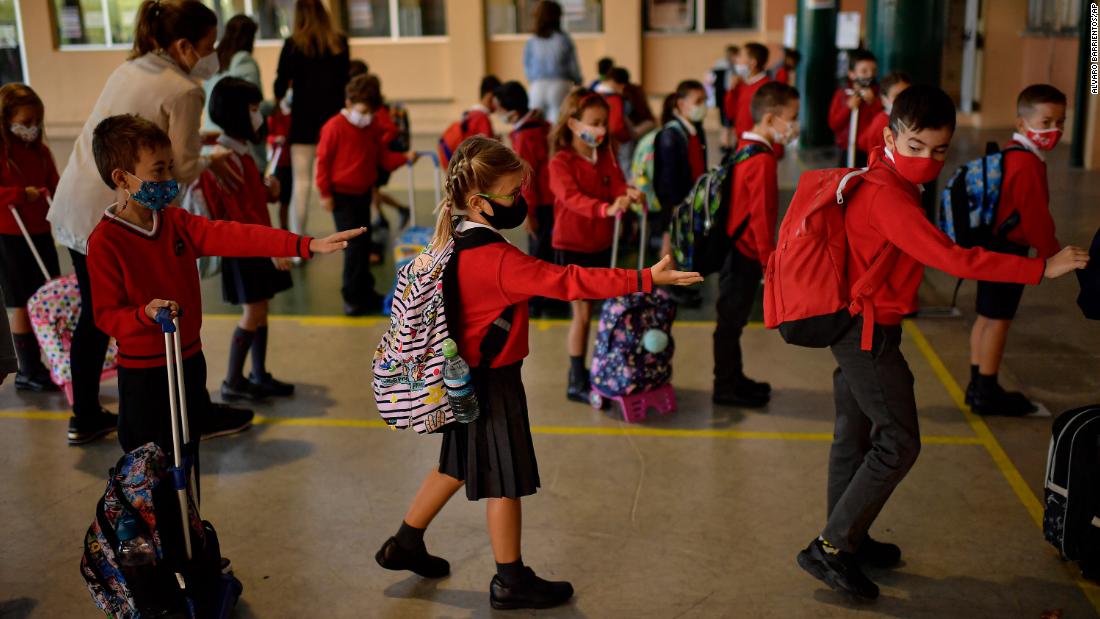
[(985, 437)]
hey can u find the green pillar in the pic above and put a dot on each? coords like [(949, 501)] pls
[(817, 44), (1081, 101), (908, 35)]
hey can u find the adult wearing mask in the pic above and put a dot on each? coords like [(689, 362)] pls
[(550, 61), (161, 81), (235, 60), (315, 61)]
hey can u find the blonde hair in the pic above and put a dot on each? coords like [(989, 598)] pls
[(314, 32), (475, 166)]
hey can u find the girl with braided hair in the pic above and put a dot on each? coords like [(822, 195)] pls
[(488, 279)]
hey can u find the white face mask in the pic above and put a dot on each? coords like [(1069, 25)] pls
[(206, 68), (787, 136), (257, 119), (359, 119), (26, 133), (696, 113), (741, 69)]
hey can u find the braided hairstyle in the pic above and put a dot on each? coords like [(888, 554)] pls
[(475, 167)]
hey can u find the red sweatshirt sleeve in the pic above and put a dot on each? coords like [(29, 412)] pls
[(326, 153), (618, 179), (388, 159), (114, 313), (478, 123), (839, 112), (521, 277), (563, 184), (52, 177), (763, 204), (236, 240), (526, 149), (1025, 190), (871, 136), (386, 125), (907, 227), (616, 119), (12, 195)]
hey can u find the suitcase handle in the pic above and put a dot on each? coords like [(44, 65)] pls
[(641, 243), (438, 185), (27, 237), (177, 401)]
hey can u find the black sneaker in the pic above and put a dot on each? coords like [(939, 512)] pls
[(225, 420), (878, 554), (36, 381), (741, 399), (971, 389), (87, 429), (748, 385), (245, 390), (579, 388), (530, 592), (393, 557), (839, 570), (1002, 403), (271, 387)]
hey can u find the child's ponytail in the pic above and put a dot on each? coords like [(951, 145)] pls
[(160, 23)]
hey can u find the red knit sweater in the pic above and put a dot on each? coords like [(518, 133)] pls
[(840, 116), (348, 157), (530, 140), (1024, 190), (755, 194), (582, 193), (129, 268), (247, 204), (33, 167)]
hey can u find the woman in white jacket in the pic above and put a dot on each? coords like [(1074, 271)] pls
[(173, 52)]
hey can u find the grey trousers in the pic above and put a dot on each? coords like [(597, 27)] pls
[(876, 439)]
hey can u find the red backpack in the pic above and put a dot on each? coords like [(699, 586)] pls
[(452, 137), (806, 291)]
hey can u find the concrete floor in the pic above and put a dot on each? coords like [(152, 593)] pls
[(696, 515)]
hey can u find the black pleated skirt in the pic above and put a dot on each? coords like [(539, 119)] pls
[(251, 280), (494, 455)]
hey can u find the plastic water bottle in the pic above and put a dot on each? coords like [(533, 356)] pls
[(460, 387), (134, 549)]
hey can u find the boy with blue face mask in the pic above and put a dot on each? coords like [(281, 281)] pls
[(141, 258)]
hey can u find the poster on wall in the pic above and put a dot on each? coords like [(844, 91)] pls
[(847, 30)]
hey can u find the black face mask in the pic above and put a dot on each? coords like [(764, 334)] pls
[(864, 82), (506, 217)]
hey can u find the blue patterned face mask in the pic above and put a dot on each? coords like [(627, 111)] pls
[(155, 195)]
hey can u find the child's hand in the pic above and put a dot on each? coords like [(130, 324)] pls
[(334, 242), (663, 275), (282, 264), (868, 95), (413, 156), (156, 304), (1069, 259), (619, 205), (327, 204), (32, 193), (274, 188), (853, 101), (636, 196)]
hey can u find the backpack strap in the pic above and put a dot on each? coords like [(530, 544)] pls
[(492, 344), (871, 280)]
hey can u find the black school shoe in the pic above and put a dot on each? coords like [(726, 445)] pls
[(393, 557), (245, 390), (579, 388), (878, 554), (840, 571), (87, 429), (36, 381), (1001, 403), (748, 385), (741, 398), (530, 592), (225, 420), (269, 386)]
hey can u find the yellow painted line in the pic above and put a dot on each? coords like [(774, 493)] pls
[(541, 324), (1000, 458), (329, 422)]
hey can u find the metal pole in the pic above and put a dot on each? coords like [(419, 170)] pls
[(817, 43)]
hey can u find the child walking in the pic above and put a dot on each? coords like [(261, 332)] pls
[(484, 196), (589, 191), (27, 176), (249, 282), (278, 136)]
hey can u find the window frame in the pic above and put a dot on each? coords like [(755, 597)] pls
[(523, 36), (395, 35), (699, 14), (1059, 27)]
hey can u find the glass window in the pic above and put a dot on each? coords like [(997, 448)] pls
[(81, 22), (730, 14), (367, 18), (418, 18), (685, 15), (123, 13), (517, 16), (275, 18), (1053, 17), (11, 60), (670, 15)]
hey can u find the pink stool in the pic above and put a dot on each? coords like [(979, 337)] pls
[(634, 406)]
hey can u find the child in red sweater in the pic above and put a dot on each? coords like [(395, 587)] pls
[(754, 208), (278, 135), (589, 191), (860, 92), (484, 196), (349, 155), (873, 135), (738, 101), (1022, 222), (475, 121), (876, 439), (27, 175), (141, 258)]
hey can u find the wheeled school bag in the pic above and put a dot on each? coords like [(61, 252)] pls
[(186, 579), (699, 239), (968, 206), (413, 239), (624, 369), (807, 295), (399, 114), (1071, 516), (643, 165)]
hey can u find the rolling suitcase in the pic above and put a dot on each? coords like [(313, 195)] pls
[(413, 239), (1071, 516)]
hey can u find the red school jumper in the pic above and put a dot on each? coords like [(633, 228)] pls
[(31, 165), (278, 126), (583, 191), (348, 157), (755, 194), (886, 210), (129, 267), (531, 141), (840, 116), (248, 203), (1024, 190), (870, 137)]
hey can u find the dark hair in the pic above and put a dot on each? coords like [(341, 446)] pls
[(364, 88), (619, 75), (229, 102), (771, 97), (512, 97), (314, 34), (239, 36), (357, 67), (922, 107), (604, 66), (12, 97), (117, 142), (793, 54), (579, 100), (547, 18), (160, 23), (857, 56), (892, 79), (733, 49), (759, 53), (489, 83), (1035, 94), (683, 89)]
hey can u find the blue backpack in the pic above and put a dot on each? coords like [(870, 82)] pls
[(969, 201)]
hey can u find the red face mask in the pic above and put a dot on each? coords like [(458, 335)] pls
[(917, 170), (1045, 139)]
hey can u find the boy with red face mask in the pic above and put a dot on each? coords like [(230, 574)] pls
[(1023, 221), (876, 437)]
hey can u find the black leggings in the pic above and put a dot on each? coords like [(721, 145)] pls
[(89, 346)]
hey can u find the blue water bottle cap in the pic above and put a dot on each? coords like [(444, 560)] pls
[(127, 528), (450, 349)]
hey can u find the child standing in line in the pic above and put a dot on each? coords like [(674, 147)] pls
[(278, 132), (589, 191), (679, 153), (723, 78), (27, 176), (484, 195), (1022, 221), (877, 437), (860, 92), (475, 121), (738, 103), (350, 152), (891, 86), (249, 282), (754, 208)]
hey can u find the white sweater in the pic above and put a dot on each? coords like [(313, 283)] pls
[(155, 88)]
